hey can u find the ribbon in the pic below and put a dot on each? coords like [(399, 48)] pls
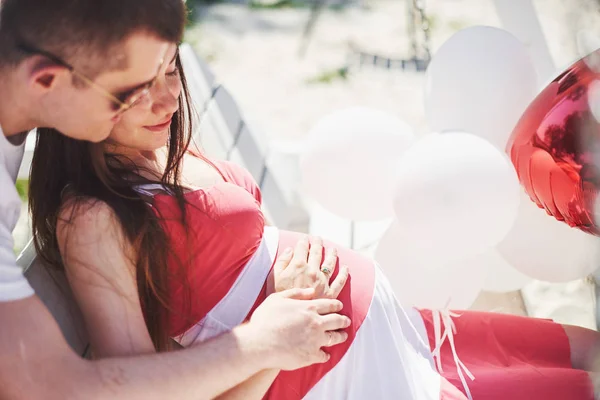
[(444, 318)]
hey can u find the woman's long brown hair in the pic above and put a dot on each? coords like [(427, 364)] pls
[(67, 168)]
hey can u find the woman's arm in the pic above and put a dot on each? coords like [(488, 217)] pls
[(100, 265)]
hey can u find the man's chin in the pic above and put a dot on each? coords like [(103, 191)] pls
[(88, 134), (97, 138)]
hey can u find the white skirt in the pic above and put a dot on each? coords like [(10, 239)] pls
[(389, 358)]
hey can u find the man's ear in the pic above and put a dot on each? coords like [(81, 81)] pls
[(45, 76)]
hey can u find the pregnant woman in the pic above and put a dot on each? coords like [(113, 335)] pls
[(160, 243)]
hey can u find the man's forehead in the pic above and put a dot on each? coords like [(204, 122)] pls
[(139, 60), (144, 51), (119, 61)]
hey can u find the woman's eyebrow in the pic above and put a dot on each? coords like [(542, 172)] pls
[(174, 56)]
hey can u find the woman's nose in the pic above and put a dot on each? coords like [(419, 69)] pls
[(165, 99)]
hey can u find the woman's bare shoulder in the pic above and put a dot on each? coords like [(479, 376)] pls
[(85, 214), (88, 230)]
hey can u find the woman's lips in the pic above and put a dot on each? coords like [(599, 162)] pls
[(160, 127)]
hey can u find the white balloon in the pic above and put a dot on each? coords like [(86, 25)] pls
[(501, 276), (348, 162), (480, 81), (456, 194), (587, 44), (427, 281), (546, 249)]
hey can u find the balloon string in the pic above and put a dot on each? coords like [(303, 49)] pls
[(444, 317)]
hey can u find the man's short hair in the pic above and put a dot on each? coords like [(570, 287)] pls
[(84, 31)]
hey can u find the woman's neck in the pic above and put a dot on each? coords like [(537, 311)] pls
[(149, 163)]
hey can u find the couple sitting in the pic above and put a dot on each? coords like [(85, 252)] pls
[(163, 244)]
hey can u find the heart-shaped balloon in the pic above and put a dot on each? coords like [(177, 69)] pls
[(555, 146)]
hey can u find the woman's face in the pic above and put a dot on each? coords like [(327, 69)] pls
[(146, 126)]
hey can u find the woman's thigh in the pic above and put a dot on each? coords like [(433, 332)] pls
[(503, 340), (526, 384)]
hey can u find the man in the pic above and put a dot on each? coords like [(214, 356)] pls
[(76, 65)]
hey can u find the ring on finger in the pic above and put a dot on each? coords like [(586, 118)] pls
[(326, 271)]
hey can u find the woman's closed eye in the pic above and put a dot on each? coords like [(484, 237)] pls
[(174, 73)]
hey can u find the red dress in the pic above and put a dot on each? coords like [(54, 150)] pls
[(388, 354)]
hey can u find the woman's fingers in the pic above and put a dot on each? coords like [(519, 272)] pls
[(330, 262), (315, 255), (301, 251), (338, 283), (283, 259)]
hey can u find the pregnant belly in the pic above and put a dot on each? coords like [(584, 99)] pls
[(358, 292), (356, 297)]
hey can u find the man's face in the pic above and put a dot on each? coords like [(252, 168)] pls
[(87, 112)]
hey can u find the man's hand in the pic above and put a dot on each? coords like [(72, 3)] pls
[(302, 268), (296, 327)]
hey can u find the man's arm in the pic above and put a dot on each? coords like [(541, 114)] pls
[(37, 363), (253, 388)]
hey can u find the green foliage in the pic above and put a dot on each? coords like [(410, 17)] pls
[(277, 5), (457, 24), (330, 76), (23, 189), (193, 9), (282, 4), (22, 186), (433, 22)]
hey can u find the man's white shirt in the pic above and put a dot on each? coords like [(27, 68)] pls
[(13, 285)]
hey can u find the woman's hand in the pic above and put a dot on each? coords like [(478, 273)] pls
[(304, 267)]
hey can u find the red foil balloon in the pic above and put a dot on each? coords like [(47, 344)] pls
[(555, 146)]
